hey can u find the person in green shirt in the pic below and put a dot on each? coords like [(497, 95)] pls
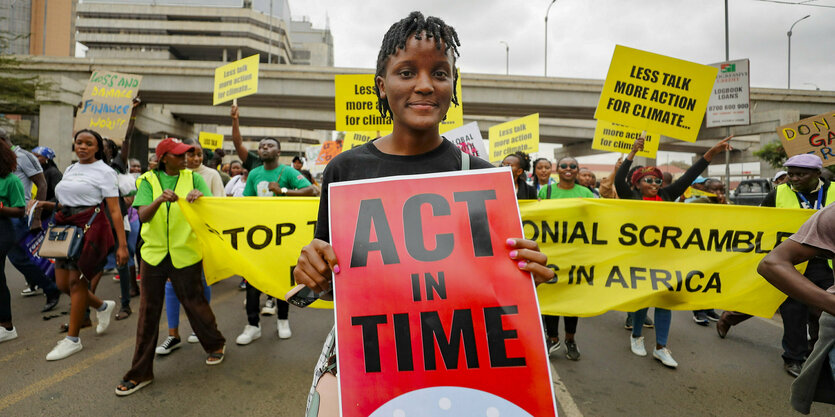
[(567, 187), (11, 205), (269, 180)]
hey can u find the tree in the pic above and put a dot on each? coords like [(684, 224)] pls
[(773, 153)]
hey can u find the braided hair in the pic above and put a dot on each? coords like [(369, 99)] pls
[(415, 25)]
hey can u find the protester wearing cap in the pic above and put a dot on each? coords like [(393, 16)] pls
[(781, 177), (170, 252), (648, 181), (805, 189), (51, 172)]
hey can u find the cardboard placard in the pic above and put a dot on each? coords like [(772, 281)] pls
[(468, 139), (432, 316), (210, 140), (237, 79), (521, 134), (729, 100), (613, 137), (811, 135), (106, 104), (357, 108), (656, 93), (329, 150)]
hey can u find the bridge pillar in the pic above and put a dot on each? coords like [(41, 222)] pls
[(56, 130)]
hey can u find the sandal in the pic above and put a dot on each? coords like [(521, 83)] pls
[(123, 313), (216, 358), (66, 327), (130, 387)]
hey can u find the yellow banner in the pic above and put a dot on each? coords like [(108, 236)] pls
[(656, 93), (613, 137), (210, 140), (521, 134), (236, 80), (257, 238), (608, 254), (357, 108)]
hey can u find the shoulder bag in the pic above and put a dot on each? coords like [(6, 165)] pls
[(65, 241)]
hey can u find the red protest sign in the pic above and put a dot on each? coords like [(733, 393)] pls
[(431, 313), (329, 150)]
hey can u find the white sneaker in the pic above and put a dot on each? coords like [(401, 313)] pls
[(553, 347), (64, 348), (249, 334), (192, 338), (665, 357), (284, 329), (269, 307), (7, 334), (104, 316), (638, 345), (168, 345), (28, 292)]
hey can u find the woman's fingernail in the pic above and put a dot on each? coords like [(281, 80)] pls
[(522, 264), (336, 269), (513, 253), (511, 242)]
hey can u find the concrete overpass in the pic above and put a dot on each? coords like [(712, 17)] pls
[(177, 96)]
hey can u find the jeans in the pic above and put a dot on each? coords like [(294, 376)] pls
[(172, 304), (20, 259), (124, 271), (7, 240), (663, 318), (253, 306)]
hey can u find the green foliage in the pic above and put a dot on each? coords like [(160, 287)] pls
[(773, 153), (17, 87)]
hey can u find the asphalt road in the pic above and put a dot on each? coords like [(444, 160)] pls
[(739, 376)]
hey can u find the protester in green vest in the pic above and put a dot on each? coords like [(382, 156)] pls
[(807, 190), (170, 252)]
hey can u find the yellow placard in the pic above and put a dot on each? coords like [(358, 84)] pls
[(516, 135), (357, 108), (613, 137), (656, 93), (354, 139), (236, 80), (608, 254), (210, 140)]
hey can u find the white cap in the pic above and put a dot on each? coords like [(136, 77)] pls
[(778, 175)]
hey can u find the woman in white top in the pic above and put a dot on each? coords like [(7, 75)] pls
[(88, 188), (194, 162), (236, 185)]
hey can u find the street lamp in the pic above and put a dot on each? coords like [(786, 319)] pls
[(789, 34), (507, 57), (546, 35)]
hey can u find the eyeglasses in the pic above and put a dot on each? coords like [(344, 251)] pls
[(571, 166), (649, 180)]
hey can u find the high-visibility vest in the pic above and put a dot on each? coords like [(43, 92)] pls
[(786, 198), (168, 232)]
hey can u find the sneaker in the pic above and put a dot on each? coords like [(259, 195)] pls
[(712, 315), (169, 345), (192, 338), (249, 334), (701, 318), (648, 323), (28, 292), (571, 351), (104, 316), (64, 348), (7, 334), (116, 278), (553, 346), (793, 368), (637, 345), (242, 285), (283, 329), (665, 357), (628, 324), (269, 307)]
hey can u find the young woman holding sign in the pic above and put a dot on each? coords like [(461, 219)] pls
[(647, 181), (415, 83)]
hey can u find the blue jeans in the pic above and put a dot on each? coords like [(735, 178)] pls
[(20, 259), (663, 318), (172, 304)]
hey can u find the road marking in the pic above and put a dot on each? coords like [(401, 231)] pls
[(20, 395), (13, 355), (569, 407)]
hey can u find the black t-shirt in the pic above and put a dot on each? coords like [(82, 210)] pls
[(53, 177), (366, 161), (770, 199), (252, 161)]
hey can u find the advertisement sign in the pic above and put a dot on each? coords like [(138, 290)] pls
[(729, 100)]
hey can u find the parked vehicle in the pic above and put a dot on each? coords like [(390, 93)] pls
[(751, 192)]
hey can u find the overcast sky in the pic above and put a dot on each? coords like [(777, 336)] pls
[(582, 34)]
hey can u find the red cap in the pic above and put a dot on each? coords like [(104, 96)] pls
[(172, 146)]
